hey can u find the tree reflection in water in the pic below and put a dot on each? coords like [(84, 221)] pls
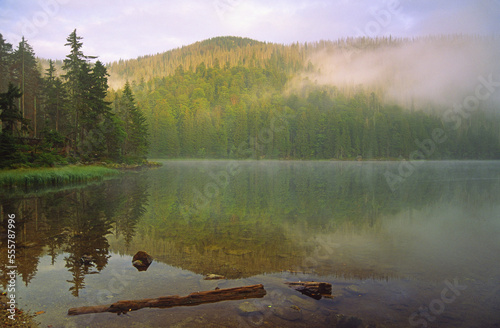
[(74, 222)]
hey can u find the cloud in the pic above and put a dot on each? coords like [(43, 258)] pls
[(467, 19), (128, 28), (460, 16)]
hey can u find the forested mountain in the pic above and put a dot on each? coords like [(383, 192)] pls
[(216, 52), (232, 97)]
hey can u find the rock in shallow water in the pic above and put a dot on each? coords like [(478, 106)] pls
[(354, 289), (349, 322), (287, 312), (306, 304), (142, 260), (248, 308)]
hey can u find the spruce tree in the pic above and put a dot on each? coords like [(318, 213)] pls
[(136, 141), (54, 100), (25, 74), (10, 114), (5, 62), (73, 65)]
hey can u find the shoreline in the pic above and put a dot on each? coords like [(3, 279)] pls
[(87, 172), (67, 174), (53, 176)]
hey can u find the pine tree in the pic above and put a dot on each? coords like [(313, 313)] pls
[(73, 65), (5, 63), (95, 109), (24, 73), (171, 136), (10, 114), (54, 99), (302, 146), (136, 141), (114, 136), (187, 133)]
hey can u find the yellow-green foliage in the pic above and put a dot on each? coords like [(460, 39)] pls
[(53, 176)]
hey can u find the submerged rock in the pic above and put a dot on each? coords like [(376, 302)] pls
[(248, 308), (354, 289), (288, 312), (349, 322), (142, 260), (306, 304)]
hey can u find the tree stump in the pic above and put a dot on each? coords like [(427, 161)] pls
[(312, 289)]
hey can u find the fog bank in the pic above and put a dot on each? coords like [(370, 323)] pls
[(437, 72)]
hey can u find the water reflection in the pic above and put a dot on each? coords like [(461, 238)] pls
[(264, 222), (74, 222), (319, 218)]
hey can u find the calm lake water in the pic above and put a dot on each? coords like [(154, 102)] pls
[(426, 254)]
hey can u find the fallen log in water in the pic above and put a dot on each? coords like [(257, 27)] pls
[(210, 296), (312, 289)]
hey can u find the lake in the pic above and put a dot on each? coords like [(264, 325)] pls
[(422, 252)]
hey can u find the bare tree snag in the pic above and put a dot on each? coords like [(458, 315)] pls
[(210, 296)]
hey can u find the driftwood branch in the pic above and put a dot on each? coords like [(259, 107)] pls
[(210, 296)]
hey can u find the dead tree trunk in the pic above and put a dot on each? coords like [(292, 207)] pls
[(210, 296)]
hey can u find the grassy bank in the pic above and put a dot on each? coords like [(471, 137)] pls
[(53, 176)]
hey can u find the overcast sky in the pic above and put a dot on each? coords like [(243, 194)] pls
[(122, 29)]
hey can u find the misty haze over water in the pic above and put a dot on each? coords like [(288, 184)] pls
[(387, 254)]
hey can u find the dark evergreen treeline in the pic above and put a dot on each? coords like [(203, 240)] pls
[(226, 97), (49, 117), (242, 112)]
